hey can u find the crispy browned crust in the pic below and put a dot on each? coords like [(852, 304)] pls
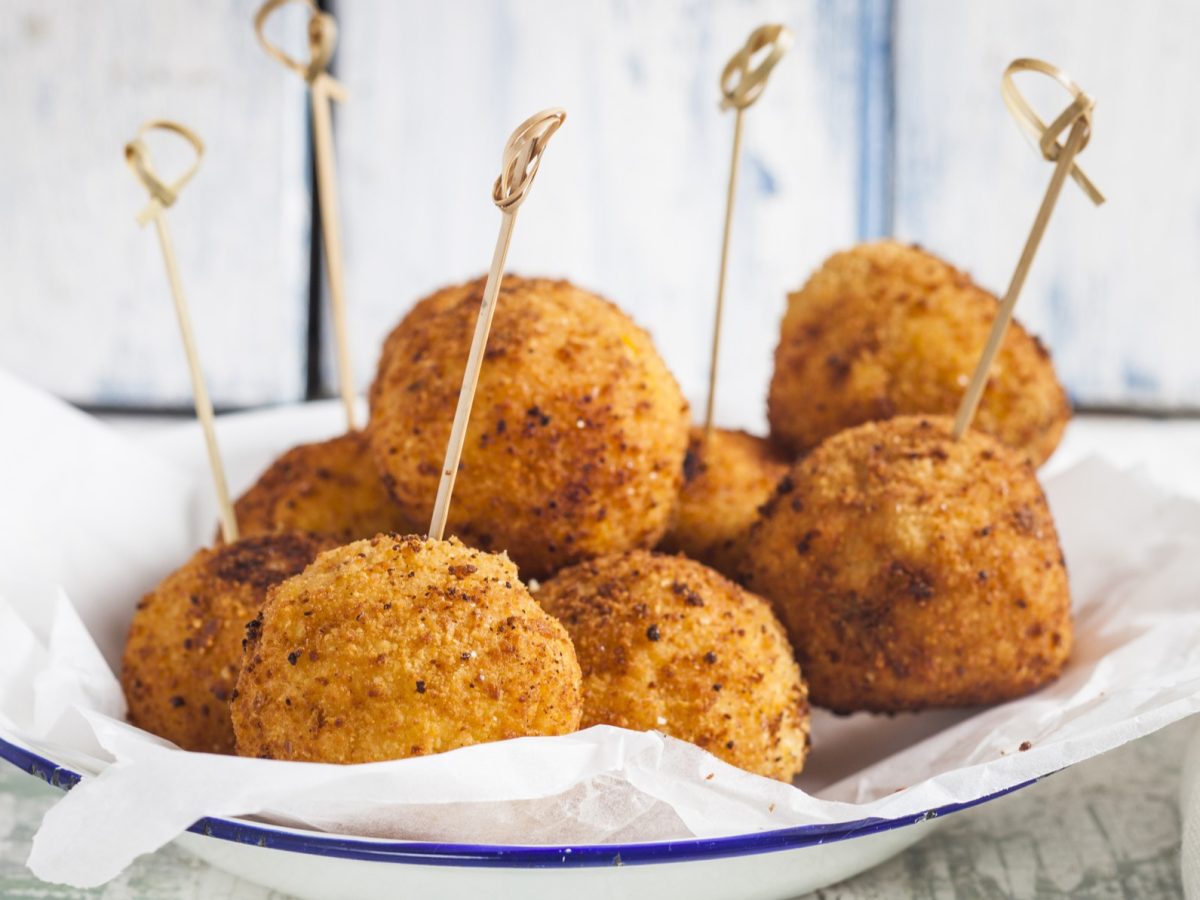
[(886, 329), (331, 487), (185, 643), (668, 644), (577, 435), (726, 478), (915, 571), (402, 646)]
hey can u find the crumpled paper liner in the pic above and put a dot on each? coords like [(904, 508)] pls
[(83, 538)]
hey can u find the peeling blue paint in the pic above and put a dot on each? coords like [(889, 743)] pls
[(1139, 380), (1061, 321), (876, 118), (637, 72), (765, 182)]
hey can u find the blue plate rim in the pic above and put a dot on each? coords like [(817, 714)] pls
[(514, 856)]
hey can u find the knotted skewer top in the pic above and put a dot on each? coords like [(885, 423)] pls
[(1047, 136), (518, 166), (522, 156), (163, 195), (137, 157), (322, 40), (741, 85), (1077, 118)]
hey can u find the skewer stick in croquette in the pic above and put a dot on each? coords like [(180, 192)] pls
[(162, 195), (519, 164), (740, 87), (456, 653), (578, 430), (1078, 117), (323, 88)]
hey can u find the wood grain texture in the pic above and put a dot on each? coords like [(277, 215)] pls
[(629, 200), (85, 306), (1113, 289), (885, 117)]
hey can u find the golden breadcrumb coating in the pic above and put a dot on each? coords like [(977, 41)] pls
[(577, 436), (887, 329), (331, 487), (727, 476), (913, 570), (668, 644), (185, 643), (402, 646)]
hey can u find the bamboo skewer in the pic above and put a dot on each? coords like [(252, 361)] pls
[(163, 195), (1077, 117), (323, 89), (731, 191), (519, 164), (740, 87)]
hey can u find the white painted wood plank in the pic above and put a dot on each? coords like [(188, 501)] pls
[(84, 307), (630, 195), (1113, 290)]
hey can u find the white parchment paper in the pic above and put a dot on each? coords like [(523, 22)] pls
[(90, 522)]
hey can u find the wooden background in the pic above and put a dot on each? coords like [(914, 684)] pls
[(884, 119)]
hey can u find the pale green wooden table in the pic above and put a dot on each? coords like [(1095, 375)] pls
[(1107, 828)]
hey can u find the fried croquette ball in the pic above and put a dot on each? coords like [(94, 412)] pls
[(913, 570), (402, 646), (727, 476), (331, 487), (577, 435), (887, 329), (184, 648), (668, 644)]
